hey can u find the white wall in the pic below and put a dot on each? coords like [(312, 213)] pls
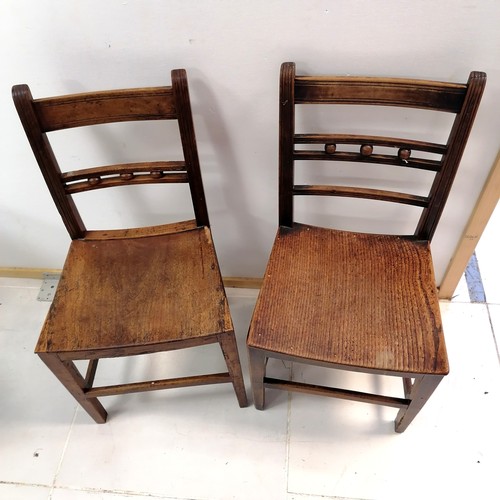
[(232, 51)]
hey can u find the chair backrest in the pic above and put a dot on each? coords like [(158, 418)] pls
[(40, 116), (460, 99)]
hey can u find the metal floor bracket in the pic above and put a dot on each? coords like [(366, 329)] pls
[(49, 287)]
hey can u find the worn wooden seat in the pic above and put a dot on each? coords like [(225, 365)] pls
[(358, 301), (132, 291)]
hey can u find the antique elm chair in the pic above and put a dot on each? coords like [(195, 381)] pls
[(350, 300), (141, 290)]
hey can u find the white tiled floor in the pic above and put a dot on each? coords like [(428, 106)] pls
[(198, 444)]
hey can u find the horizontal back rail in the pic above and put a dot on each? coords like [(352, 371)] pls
[(403, 147), (423, 94), (157, 172), (418, 163), (77, 110), (429, 147), (358, 192)]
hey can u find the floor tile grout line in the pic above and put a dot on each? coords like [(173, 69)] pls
[(65, 447), (19, 483), (127, 493)]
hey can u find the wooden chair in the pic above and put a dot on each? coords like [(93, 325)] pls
[(125, 292), (358, 301)]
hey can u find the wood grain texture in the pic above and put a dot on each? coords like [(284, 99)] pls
[(370, 194), (350, 299), (93, 108), (137, 292), (380, 91)]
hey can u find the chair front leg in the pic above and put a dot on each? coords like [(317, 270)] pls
[(420, 392), (69, 376), (229, 349), (257, 374)]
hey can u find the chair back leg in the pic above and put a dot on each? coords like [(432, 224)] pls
[(420, 392), (257, 374)]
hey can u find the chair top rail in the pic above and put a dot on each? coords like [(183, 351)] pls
[(424, 94), (94, 108)]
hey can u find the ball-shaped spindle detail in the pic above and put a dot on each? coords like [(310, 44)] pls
[(156, 174), (366, 150), (93, 181), (330, 148), (404, 153), (126, 176)]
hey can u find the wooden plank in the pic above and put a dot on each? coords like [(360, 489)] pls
[(26, 272), (242, 282), (478, 220)]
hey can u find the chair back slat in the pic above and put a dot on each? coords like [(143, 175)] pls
[(404, 153), (156, 172), (41, 116), (393, 142), (420, 163), (370, 194), (93, 108), (383, 92)]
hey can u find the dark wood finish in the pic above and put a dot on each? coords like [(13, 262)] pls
[(356, 301), (129, 291), (286, 141), (186, 127), (379, 91), (121, 175), (372, 194), (455, 149), (318, 390)]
